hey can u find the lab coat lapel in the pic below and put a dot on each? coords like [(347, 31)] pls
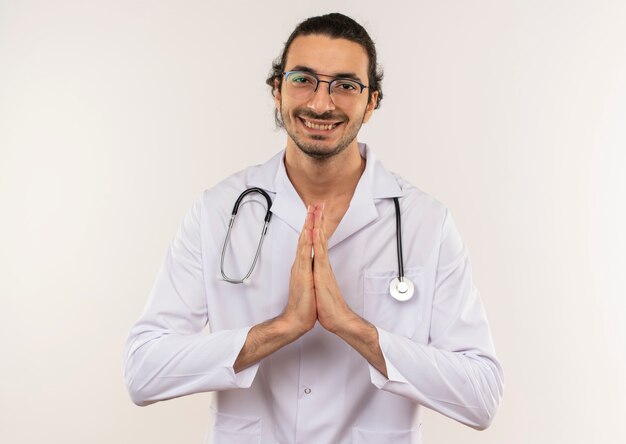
[(288, 205), (375, 183), (358, 216)]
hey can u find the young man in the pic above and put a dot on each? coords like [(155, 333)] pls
[(315, 349)]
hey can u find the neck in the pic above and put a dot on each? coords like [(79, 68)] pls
[(324, 180)]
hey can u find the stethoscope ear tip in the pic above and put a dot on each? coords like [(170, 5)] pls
[(246, 281)]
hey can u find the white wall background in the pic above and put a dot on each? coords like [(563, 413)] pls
[(115, 115)]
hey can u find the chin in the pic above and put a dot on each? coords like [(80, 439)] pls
[(320, 152)]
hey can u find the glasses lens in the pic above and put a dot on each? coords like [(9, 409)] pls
[(300, 84), (344, 87)]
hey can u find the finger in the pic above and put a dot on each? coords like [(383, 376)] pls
[(317, 224), (309, 221), (305, 250), (305, 243), (318, 213), (321, 257), (321, 234)]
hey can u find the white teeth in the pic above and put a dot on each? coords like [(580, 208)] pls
[(319, 127)]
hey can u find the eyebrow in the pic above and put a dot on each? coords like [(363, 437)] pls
[(338, 75)]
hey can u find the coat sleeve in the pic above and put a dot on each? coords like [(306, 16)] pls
[(167, 354), (457, 373)]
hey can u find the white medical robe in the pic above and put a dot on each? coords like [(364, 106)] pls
[(437, 346)]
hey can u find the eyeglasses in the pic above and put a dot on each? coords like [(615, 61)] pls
[(303, 85)]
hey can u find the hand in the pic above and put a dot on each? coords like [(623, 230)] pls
[(332, 311), (299, 315), (300, 312)]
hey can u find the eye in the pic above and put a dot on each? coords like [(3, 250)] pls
[(346, 86), (301, 79)]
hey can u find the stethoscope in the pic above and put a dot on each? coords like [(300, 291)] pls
[(401, 288)]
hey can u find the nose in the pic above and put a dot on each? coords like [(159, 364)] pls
[(321, 100)]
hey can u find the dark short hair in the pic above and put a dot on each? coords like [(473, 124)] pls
[(336, 26)]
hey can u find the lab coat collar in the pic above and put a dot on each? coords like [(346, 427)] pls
[(375, 183)]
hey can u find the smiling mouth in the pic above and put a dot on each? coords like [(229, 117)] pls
[(319, 126)]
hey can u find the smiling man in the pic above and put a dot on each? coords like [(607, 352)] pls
[(358, 309), (323, 125)]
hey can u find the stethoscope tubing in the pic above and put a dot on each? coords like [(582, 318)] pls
[(399, 240), (400, 288), (268, 216)]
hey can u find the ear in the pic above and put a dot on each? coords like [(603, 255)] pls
[(369, 110), (277, 96)]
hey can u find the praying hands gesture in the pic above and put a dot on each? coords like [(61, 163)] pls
[(313, 296), (313, 291)]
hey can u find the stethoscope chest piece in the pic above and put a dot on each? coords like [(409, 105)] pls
[(401, 290)]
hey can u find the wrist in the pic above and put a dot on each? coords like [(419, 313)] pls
[(291, 327), (346, 324), (352, 326)]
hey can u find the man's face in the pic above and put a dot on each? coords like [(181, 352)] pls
[(306, 120)]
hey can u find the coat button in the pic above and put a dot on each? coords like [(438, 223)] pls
[(307, 390)]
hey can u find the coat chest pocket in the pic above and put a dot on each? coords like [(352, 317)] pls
[(382, 310)]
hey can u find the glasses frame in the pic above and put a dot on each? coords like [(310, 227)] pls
[(318, 80)]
